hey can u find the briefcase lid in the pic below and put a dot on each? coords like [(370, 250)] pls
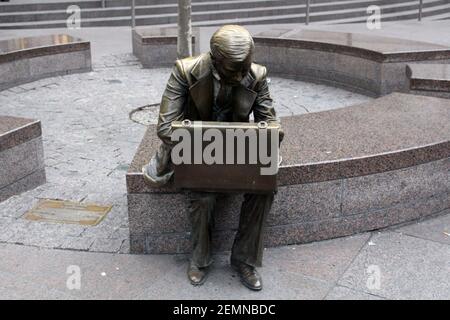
[(225, 177)]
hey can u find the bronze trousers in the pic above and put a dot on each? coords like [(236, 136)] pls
[(248, 242)]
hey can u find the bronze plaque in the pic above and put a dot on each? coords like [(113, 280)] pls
[(229, 174), (67, 212)]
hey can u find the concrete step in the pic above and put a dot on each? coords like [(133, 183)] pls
[(396, 10), (301, 19), (44, 5), (295, 18), (120, 3), (407, 10), (442, 16), (410, 15), (61, 14)]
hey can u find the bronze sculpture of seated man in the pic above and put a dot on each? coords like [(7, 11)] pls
[(220, 85)]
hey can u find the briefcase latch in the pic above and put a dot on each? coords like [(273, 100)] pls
[(263, 125), (186, 123)]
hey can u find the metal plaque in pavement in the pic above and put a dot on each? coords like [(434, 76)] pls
[(67, 212)]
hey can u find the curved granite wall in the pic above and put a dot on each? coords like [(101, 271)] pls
[(301, 213), (156, 47), (395, 170), (368, 64), (429, 80), (371, 65), (24, 60), (21, 156)]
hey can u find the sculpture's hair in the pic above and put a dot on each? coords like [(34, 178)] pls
[(232, 42)]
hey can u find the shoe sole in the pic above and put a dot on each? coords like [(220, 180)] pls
[(250, 287)]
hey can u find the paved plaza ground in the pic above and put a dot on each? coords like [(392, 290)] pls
[(89, 141), (413, 262)]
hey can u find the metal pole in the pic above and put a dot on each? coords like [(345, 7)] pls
[(420, 10), (307, 11), (133, 14), (184, 42)]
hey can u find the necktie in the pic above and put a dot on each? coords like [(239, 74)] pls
[(220, 112)]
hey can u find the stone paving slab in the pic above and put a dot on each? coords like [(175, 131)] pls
[(437, 229), (410, 268), (324, 260), (343, 293), (122, 274), (17, 288)]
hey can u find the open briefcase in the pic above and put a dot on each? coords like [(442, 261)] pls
[(226, 156)]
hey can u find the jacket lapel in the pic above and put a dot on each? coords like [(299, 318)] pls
[(202, 90), (243, 98)]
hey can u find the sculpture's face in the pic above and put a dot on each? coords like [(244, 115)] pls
[(232, 72)]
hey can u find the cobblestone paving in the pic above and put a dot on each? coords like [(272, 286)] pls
[(89, 141)]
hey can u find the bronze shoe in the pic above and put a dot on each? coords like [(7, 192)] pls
[(248, 275), (196, 275)]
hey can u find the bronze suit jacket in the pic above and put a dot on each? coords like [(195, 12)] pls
[(189, 95)]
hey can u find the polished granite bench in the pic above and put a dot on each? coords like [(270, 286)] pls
[(21, 156), (156, 47), (369, 64), (28, 59), (344, 171), (430, 80)]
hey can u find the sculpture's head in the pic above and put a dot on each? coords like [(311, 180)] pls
[(232, 52)]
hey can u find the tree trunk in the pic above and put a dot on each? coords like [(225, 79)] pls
[(184, 44)]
